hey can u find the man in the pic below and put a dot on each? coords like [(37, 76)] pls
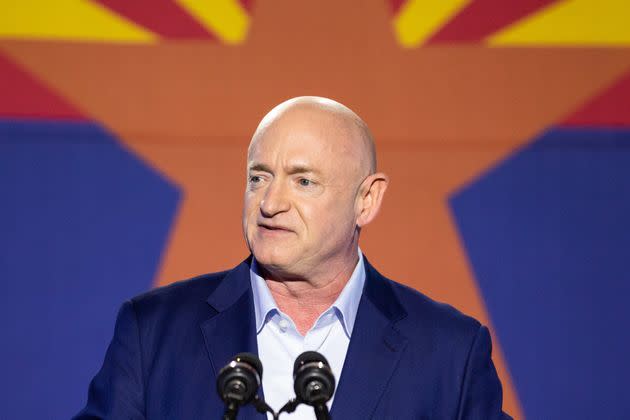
[(312, 185)]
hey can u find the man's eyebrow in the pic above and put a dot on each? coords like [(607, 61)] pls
[(301, 169), (294, 169), (260, 167)]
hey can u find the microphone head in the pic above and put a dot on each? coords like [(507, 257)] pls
[(314, 382), (308, 357), (239, 380), (252, 360)]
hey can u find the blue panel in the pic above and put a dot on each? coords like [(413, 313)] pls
[(548, 236), (82, 227)]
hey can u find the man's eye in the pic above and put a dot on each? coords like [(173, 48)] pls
[(254, 179), (305, 182)]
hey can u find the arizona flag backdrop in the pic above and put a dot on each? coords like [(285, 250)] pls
[(505, 128)]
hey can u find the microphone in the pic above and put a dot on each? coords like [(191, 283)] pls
[(313, 382), (238, 382)]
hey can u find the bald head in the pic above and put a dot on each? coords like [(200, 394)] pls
[(337, 123)]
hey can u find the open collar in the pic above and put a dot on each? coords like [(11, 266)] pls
[(346, 304)]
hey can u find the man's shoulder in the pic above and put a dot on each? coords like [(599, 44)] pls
[(428, 316), (419, 304), (188, 293)]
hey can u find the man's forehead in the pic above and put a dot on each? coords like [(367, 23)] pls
[(290, 154), (319, 133), (299, 150), (305, 133)]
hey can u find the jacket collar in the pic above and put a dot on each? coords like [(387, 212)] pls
[(232, 329), (379, 291), (232, 287), (375, 348)]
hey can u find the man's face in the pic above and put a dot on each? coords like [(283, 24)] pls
[(299, 212)]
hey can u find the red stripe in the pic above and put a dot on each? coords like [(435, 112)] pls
[(247, 4), (610, 108), (163, 17), (396, 5), (23, 96), (482, 18)]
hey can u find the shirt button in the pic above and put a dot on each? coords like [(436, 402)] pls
[(283, 324)]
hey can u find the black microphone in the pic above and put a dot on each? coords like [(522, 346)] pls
[(238, 382), (313, 382)]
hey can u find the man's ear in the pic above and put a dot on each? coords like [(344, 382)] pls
[(370, 197)]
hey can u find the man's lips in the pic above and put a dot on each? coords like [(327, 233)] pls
[(273, 228)]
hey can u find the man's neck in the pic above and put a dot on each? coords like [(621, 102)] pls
[(304, 300)]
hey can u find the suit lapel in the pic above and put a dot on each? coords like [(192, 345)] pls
[(374, 351), (232, 329)]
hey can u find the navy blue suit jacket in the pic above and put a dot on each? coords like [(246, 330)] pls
[(409, 357)]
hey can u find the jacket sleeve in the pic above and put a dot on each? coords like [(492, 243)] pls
[(117, 390), (482, 395)]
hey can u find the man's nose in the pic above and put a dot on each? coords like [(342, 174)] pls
[(275, 200)]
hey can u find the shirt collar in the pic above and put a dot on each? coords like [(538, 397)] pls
[(264, 303), (346, 304)]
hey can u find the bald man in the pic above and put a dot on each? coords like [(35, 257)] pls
[(312, 185)]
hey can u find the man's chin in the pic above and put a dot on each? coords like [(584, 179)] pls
[(276, 263), (272, 261)]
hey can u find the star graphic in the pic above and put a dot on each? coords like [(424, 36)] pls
[(441, 115)]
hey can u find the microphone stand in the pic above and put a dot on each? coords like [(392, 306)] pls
[(289, 407), (231, 410), (321, 412), (262, 407)]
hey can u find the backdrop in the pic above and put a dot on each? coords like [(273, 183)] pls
[(504, 126)]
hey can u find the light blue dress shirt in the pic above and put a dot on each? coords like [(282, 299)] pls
[(280, 343)]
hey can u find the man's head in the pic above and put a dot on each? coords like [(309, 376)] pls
[(311, 185)]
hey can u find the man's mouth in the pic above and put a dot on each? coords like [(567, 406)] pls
[(273, 228)]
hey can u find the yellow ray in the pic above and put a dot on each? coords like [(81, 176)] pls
[(576, 22), (225, 18), (419, 19), (67, 19)]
